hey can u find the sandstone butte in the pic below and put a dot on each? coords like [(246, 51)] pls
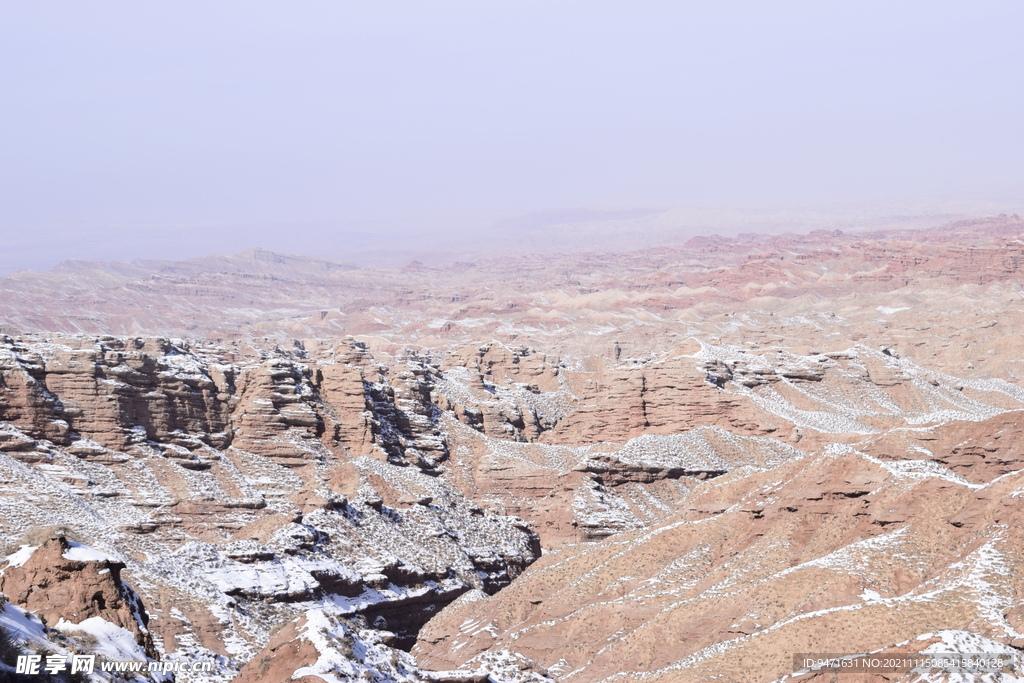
[(687, 463)]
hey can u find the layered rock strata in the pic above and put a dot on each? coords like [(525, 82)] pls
[(236, 490), (244, 486), (680, 464)]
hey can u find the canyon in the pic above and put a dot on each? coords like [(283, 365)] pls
[(683, 463)]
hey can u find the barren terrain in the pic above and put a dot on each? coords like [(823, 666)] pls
[(675, 464)]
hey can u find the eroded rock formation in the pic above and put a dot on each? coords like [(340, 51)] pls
[(681, 464)]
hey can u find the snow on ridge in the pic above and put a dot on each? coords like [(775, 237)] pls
[(20, 557), (940, 394), (822, 421), (850, 558), (81, 552), (925, 469)]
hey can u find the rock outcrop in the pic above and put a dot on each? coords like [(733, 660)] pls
[(71, 582)]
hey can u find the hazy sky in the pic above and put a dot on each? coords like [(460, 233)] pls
[(122, 120)]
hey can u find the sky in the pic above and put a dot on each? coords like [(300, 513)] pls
[(162, 129)]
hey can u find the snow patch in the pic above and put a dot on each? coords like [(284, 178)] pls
[(112, 641), (84, 553), (20, 557)]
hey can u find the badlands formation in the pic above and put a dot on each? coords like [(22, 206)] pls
[(681, 464)]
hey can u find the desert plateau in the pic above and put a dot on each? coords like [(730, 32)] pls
[(683, 463)]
